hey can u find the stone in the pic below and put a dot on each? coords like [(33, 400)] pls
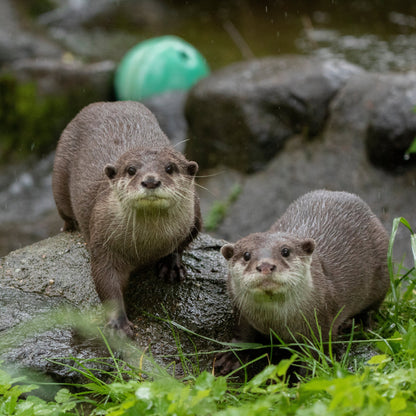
[(47, 291), (384, 106), (38, 97), (255, 106), (336, 160), (16, 42), (169, 111)]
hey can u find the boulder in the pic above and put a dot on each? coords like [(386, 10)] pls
[(38, 97), (255, 106), (336, 160), (47, 291), (169, 111), (382, 106), (18, 43)]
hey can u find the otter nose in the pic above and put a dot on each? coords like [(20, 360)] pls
[(150, 182), (266, 268)]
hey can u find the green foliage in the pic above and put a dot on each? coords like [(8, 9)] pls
[(219, 209), (11, 403), (31, 122), (27, 120), (35, 7), (412, 147), (383, 383)]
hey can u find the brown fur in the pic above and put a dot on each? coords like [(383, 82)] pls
[(117, 179), (336, 269)]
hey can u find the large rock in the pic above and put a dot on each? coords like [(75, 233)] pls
[(336, 161), (16, 42), (41, 283), (169, 111), (242, 115), (383, 107), (38, 97)]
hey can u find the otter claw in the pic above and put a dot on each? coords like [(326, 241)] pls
[(171, 269), (225, 363), (121, 326)]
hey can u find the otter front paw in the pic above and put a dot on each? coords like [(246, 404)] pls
[(121, 326), (171, 269), (227, 362)]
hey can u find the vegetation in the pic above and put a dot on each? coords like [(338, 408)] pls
[(220, 209), (31, 120), (412, 147), (381, 383)]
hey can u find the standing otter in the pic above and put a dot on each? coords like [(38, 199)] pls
[(324, 260), (117, 179)]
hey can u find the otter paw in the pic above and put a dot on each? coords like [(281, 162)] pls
[(121, 326), (226, 362), (171, 269)]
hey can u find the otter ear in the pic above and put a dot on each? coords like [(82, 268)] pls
[(192, 168), (110, 171), (227, 251), (308, 245)]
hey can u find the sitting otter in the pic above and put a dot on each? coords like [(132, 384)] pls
[(322, 263), (117, 179)]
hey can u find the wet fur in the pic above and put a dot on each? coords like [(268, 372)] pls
[(343, 274), (93, 193)]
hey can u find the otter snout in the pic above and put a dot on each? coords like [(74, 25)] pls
[(265, 267), (150, 182)]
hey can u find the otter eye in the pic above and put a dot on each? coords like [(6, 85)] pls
[(247, 256), (131, 170), (285, 252), (170, 168)]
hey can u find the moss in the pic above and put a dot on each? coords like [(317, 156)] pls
[(219, 209), (31, 123), (36, 7)]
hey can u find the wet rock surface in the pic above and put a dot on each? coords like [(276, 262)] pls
[(169, 111), (255, 106), (384, 106), (45, 286)]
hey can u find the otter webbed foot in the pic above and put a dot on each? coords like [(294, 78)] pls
[(171, 269), (121, 326), (227, 362)]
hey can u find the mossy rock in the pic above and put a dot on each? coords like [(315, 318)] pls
[(37, 102), (30, 123)]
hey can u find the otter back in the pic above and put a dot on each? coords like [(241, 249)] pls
[(323, 262)]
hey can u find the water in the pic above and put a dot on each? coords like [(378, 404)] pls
[(378, 35)]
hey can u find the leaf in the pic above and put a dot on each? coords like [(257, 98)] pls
[(413, 244), (412, 147), (379, 360), (260, 379), (216, 385), (397, 404), (409, 339), (63, 395)]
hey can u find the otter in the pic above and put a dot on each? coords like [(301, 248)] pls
[(118, 180), (321, 264)]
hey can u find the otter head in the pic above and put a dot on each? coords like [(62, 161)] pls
[(268, 267), (152, 180)]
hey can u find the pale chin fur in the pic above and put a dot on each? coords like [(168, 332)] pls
[(157, 229), (277, 310), (144, 199)]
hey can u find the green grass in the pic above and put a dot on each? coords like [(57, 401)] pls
[(380, 381)]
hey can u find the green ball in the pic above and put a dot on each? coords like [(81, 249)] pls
[(158, 65)]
